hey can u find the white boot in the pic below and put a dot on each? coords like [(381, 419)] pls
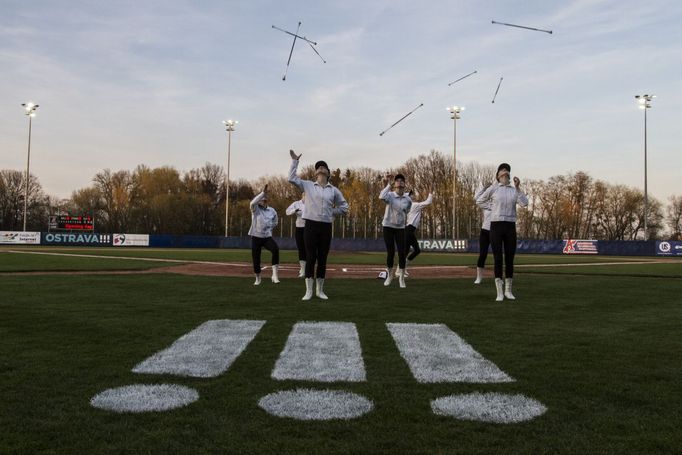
[(301, 272), (275, 273), (308, 289), (508, 289), (407, 262), (319, 291), (401, 278), (499, 285), (479, 275), (257, 282), (389, 277)]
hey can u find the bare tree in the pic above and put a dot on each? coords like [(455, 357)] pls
[(674, 218), (12, 194)]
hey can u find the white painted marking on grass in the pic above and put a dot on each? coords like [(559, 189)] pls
[(205, 352), (322, 351), (174, 261), (144, 398), (587, 264), (435, 353), (307, 404), (489, 407)]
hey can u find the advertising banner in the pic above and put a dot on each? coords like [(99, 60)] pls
[(131, 240), (19, 238), (580, 247), (443, 245), (669, 248), (80, 239)]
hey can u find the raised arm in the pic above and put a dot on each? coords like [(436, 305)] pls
[(293, 170), (484, 197), (521, 197), (293, 208), (385, 194), (481, 190), (420, 205), (256, 200)]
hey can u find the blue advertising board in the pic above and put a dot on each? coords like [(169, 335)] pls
[(669, 248), (80, 239)]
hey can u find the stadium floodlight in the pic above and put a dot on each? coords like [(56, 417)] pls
[(455, 112), (30, 112), (229, 127), (645, 104)]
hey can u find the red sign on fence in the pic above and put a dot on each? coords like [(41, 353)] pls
[(580, 247)]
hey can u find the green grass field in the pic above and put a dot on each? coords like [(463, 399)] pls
[(10, 262), (600, 352), (288, 256)]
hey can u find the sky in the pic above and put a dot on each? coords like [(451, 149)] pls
[(123, 83)]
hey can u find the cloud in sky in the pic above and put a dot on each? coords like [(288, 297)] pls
[(124, 83)]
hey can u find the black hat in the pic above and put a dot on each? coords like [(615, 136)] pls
[(399, 177), (321, 163), (502, 166)]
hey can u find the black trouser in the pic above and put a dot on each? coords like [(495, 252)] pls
[(503, 236), (394, 237), (300, 244), (411, 241), (257, 244), (318, 238), (483, 244)]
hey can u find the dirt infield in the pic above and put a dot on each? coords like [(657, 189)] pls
[(245, 269), (333, 271), (285, 271)]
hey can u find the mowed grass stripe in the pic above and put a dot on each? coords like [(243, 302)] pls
[(335, 257), (12, 263), (660, 269)]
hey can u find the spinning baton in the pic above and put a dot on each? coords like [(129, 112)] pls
[(401, 119)]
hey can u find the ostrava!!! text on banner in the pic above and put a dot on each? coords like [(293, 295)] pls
[(443, 245), (82, 238)]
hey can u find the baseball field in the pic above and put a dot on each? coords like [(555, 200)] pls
[(176, 351)]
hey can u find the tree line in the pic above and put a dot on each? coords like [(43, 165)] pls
[(165, 201)]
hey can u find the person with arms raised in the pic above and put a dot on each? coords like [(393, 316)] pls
[(503, 198), (323, 202), (398, 205), (263, 221)]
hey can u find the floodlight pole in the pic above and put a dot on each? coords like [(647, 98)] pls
[(229, 127), (646, 192), (454, 115), (30, 112), (455, 227), (645, 104)]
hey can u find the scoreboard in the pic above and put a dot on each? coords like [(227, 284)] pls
[(71, 223)]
